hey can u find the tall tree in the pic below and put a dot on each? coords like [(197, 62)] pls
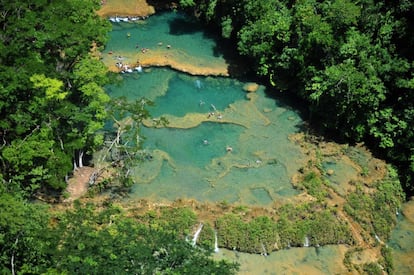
[(23, 227), (50, 104)]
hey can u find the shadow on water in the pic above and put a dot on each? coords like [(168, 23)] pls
[(187, 25), (290, 101), (181, 26)]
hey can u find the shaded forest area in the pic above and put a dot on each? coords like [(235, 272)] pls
[(350, 61)]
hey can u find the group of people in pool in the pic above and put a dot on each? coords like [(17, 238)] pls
[(212, 114)]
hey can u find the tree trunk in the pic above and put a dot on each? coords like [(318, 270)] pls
[(12, 258), (80, 161)]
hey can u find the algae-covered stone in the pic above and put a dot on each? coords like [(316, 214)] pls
[(251, 87), (330, 172)]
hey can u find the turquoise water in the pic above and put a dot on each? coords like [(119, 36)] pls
[(342, 174), (173, 36), (194, 163), (402, 243), (197, 95), (186, 94), (322, 260), (173, 29), (192, 160), (154, 84), (188, 147)]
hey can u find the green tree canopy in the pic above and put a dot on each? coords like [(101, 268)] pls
[(51, 97)]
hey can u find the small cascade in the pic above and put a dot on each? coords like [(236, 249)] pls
[(139, 68), (216, 249), (306, 243), (378, 238), (213, 107), (197, 233)]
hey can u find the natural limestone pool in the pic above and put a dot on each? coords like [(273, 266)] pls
[(222, 143)]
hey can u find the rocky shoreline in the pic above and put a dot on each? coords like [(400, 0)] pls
[(125, 8)]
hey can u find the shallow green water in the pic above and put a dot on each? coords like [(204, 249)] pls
[(173, 29), (323, 260), (259, 169), (343, 173), (187, 42), (402, 243), (194, 163)]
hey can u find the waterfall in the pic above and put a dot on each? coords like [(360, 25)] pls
[(306, 242), (198, 84), (194, 240), (216, 249)]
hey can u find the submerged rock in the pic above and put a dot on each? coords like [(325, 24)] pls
[(251, 87)]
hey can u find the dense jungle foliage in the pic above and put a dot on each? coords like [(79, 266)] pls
[(87, 240), (51, 98), (350, 60)]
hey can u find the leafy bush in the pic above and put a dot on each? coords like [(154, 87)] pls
[(314, 186), (375, 211), (263, 235)]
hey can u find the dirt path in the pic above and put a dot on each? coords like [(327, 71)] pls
[(78, 184), (356, 230)]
